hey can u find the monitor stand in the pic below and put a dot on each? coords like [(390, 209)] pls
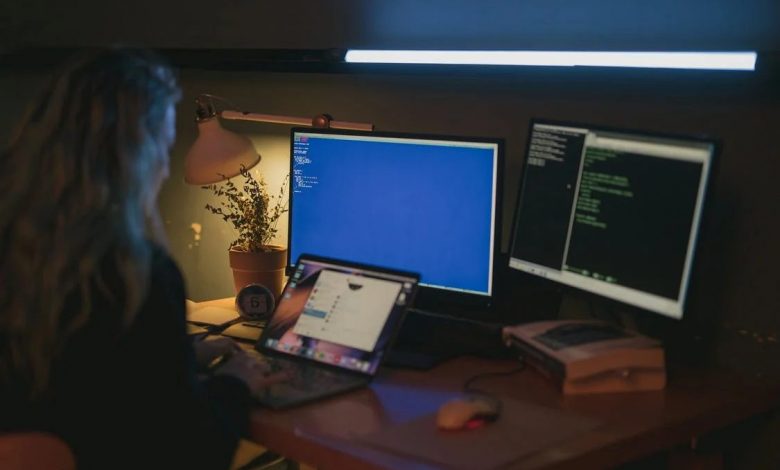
[(427, 339)]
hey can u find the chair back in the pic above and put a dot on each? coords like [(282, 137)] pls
[(35, 451)]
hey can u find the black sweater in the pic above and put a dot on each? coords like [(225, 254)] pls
[(129, 397)]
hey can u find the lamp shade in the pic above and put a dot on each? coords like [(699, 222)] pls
[(217, 154)]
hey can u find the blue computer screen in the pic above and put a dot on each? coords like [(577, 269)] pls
[(420, 204)]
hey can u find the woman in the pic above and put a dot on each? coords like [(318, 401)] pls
[(93, 344)]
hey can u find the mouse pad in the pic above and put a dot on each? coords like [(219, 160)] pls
[(521, 429)]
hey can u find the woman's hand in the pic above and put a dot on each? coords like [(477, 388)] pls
[(209, 349), (251, 370)]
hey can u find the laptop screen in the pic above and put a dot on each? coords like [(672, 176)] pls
[(339, 314)]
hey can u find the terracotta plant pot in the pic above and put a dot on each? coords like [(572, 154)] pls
[(262, 267)]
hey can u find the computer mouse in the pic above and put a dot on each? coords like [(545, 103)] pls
[(469, 412)]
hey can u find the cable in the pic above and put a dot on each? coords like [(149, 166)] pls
[(263, 461), (218, 329), (467, 385), (470, 389)]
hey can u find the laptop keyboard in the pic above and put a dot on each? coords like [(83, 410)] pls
[(305, 375), (305, 382)]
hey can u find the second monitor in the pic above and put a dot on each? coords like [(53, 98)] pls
[(612, 212), (427, 204)]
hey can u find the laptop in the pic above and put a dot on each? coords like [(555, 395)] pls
[(332, 327)]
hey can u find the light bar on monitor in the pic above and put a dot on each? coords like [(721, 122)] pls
[(744, 61)]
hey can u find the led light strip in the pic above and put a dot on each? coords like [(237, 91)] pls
[(663, 60)]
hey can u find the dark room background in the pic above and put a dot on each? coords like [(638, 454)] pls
[(219, 47)]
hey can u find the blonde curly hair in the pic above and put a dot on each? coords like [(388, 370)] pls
[(80, 177)]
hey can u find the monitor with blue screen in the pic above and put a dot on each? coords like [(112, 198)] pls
[(420, 203)]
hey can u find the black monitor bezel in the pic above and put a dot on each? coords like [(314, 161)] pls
[(440, 300), (609, 301)]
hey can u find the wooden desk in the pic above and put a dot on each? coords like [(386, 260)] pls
[(329, 434)]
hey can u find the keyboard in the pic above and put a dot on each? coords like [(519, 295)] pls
[(306, 382), (306, 376)]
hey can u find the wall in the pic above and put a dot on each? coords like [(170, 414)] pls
[(738, 252), (315, 24)]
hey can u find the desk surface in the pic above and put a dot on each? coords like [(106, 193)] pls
[(332, 433)]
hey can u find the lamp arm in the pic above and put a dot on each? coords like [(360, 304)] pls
[(272, 118), (322, 120), (352, 126)]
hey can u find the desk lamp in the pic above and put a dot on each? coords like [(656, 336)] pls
[(218, 154)]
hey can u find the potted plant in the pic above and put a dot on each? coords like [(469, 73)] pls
[(254, 214)]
